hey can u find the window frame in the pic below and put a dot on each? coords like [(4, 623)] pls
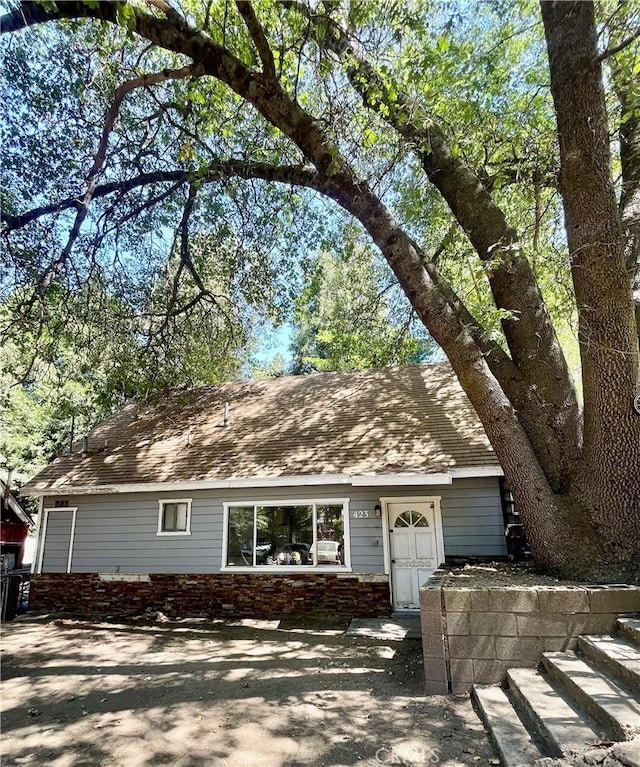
[(165, 501), (38, 560), (344, 502)]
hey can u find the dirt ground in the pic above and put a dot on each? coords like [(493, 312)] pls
[(251, 694)]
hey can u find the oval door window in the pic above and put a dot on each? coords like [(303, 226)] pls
[(411, 518)]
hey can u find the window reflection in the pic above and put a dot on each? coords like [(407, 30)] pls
[(240, 540), (329, 546), (302, 535)]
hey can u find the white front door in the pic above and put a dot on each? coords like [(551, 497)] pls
[(415, 548)]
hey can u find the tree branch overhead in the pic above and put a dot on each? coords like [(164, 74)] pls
[(293, 95)]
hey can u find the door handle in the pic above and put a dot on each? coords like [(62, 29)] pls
[(393, 561)]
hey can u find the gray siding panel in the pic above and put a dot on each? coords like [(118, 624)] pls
[(56, 550), (118, 533), (472, 519), (367, 548)]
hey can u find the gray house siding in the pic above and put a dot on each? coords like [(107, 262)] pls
[(56, 548), (117, 533), (472, 519)]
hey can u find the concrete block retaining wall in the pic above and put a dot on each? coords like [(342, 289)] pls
[(261, 595), (473, 635)]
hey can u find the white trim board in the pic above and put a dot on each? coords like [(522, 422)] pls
[(46, 513), (352, 480), (35, 564)]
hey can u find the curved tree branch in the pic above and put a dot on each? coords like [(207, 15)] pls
[(248, 13), (298, 175), (83, 206), (530, 333), (510, 440), (510, 275), (608, 52), (31, 12)]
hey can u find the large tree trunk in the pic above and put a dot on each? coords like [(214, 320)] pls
[(605, 496), (627, 88), (539, 386)]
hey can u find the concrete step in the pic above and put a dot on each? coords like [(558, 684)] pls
[(548, 714), (629, 629), (610, 705), (509, 735), (619, 657)]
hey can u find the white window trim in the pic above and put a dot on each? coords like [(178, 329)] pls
[(42, 534), (346, 568), (161, 504)]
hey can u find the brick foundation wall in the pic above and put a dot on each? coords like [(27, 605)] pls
[(473, 635), (212, 595)]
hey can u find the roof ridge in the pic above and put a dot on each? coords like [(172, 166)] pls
[(305, 376)]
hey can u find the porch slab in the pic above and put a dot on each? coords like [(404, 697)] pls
[(389, 629)]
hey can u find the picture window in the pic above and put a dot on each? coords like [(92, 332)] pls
[(302, 534)]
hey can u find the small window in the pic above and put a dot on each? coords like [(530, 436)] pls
[(175, 517), (411, 519)]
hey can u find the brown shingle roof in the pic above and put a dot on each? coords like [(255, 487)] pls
[(407, 420)]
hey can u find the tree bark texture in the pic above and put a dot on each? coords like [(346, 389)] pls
[(627, 88), (606, 491)]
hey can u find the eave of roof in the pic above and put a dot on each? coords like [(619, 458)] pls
[(17, 509), (353, 480)]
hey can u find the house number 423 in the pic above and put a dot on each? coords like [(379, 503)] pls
[(360, 514)]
